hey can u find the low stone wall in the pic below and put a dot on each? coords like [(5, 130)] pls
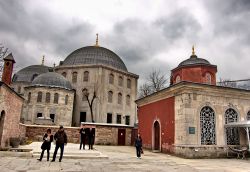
[(208, 151), (104, 134), (22, 130)]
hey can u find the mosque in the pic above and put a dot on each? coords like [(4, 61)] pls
[(91, 76)]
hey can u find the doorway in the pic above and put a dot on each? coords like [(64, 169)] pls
[(121, 136), (82, 117), (2, 117), (156, 135)]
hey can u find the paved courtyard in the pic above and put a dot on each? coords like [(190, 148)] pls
[(121, 158)]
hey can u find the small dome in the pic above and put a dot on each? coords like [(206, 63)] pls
[(52, 79), (28, 74), (95, 55), (194, 60)]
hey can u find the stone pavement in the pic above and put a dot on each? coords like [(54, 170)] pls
[(122, 158)]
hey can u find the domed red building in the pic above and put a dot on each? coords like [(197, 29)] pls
[(190, 117)]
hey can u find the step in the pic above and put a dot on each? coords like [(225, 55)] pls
[(73, 156)]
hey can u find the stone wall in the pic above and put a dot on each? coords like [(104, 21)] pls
[(105, 135)]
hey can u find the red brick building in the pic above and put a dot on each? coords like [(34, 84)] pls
[(188, 118)]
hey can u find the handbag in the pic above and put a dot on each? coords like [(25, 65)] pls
[(44, 146), (142, 151)]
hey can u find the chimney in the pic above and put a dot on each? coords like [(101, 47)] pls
[(8, 69)]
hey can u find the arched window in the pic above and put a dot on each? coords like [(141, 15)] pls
[(177, 79), (84, 94), (86, 76), (128, 100), (47, 98), (64, 74), (34, 76), (74, 77), (128, 83), (56, 97), (19, 89), (232, 134), (119, 98), (66, 99), (248, 115), (207, 124), (110, 96), (120, 81), (29, 97), (39, 96), (208, 78), (111, 78)]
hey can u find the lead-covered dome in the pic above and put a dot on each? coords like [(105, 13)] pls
[(51, 79), (95, 55), (194, 60), (28, 74)]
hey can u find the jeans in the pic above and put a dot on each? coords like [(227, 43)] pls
[(41, 156), (61, 146)]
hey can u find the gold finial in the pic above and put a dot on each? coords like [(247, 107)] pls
[(96, 41), (193, 53), (43, 60)]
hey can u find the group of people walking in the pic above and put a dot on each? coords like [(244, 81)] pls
[(61, 140)]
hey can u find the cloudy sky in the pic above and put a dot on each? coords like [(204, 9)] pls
[(146, 34)]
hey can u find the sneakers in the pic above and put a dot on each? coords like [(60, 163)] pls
[(60, 160), (39, 159), (52, 160)]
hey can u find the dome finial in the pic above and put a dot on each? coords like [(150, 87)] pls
[(193, 52), (43, 60), (96, 42)]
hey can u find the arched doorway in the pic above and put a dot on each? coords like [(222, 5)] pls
[(156, 135), (2, 117)]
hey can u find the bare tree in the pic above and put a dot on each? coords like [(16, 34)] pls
[(3, 52), (154, 82), (90, 101)]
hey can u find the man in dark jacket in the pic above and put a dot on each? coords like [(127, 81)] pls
[(83, 137), (91, 137), (61, 140)]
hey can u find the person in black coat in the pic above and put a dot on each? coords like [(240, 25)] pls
[(91, 137), (82, 137), (47, 139), (138, 145), (61, 140)]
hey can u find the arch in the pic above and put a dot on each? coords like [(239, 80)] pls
[(111, 78), (47, 97), (207, 126), (86, 76), (110, 96), (84, 93), (128, 100), (39, 97), (2, 118), (232, 134), (120, 81), (66, 99), (208, 78), (248, 115), (74, 77), (119, 98), (156, 136), (128, 83), (56, 98), (177, 79), (29, 97)]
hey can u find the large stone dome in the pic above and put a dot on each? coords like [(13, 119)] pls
[(194, 60), (95, 55), (52, 79), (28, 74)]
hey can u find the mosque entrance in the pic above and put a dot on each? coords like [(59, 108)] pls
[(156, 135), (2, 117)]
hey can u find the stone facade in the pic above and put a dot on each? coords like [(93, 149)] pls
[(10, 109), (50, 113), (189, 99), (99, 81)]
